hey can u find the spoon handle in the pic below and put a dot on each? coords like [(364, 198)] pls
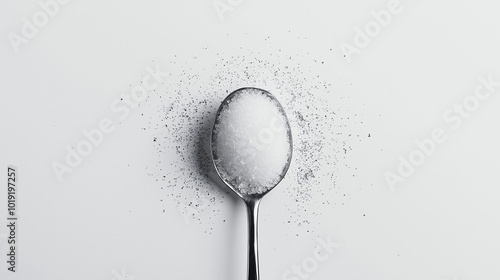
[(253, 252)]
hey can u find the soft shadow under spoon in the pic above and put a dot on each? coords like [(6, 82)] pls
[(251, 146)]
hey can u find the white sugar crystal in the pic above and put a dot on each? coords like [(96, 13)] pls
[(251, 143)]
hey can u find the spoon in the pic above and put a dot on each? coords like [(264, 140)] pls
[(249, 116)]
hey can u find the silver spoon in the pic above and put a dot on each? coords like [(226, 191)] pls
[(252, 201)]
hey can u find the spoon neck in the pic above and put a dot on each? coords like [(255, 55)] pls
[(252, 202), (252, 206)]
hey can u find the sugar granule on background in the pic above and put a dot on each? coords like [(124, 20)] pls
[(180, 121)]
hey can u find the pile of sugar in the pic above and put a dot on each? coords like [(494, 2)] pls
[(251, 142)]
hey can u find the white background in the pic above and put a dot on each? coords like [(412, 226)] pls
[(441, 223)]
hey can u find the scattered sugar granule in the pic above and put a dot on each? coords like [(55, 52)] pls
[(251, 141)]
